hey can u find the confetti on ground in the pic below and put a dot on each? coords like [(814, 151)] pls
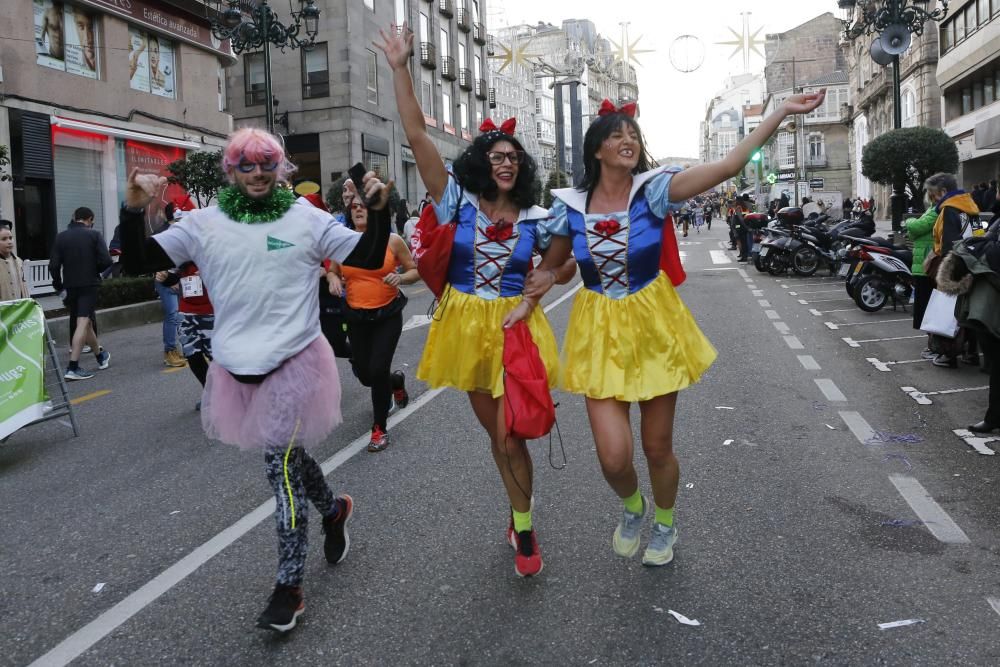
[(723, 407), (832, 428), (98, 588), (690, 486), (728, 442), (902, 523), (898, 457), (682, 618), (899, 624), (884, 437), (175, 512)]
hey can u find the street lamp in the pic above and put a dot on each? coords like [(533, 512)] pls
[(261, 29), (894, 22)]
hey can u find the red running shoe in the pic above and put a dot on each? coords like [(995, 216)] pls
[(379, 440), (527, 558)]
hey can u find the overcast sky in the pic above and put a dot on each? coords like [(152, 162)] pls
[(673, 103)]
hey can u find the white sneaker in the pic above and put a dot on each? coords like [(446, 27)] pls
[(661, 546), (626, 538)]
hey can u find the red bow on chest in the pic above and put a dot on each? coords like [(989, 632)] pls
[(607, 227), (500, 231)]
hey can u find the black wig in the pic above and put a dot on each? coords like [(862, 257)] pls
[(475, 173), (597, 133)]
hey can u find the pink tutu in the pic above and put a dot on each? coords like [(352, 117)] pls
[(303, 392)]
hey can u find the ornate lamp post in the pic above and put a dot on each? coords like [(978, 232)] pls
[(261, 29), (894, 22)]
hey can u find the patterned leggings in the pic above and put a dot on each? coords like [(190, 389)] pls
[(304, 482)]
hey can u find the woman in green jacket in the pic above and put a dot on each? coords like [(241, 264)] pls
[(920, 232)]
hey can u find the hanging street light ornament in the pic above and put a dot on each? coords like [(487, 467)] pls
[(746, 42), (687, 53), (516, 54), (627, 52), (870, 17)]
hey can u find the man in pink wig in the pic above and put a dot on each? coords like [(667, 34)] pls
[(273, 385)]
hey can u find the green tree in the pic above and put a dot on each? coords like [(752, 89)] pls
[(200, 174), (905, 158), (4, 162), (557, 179)]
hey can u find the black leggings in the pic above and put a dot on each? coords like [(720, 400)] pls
[(372, 346)]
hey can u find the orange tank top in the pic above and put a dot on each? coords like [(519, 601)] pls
[(365, 288)]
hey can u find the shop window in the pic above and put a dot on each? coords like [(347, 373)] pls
[(66, 38), (315, 72), (446, 109), (151, 63), (78, 160), (376, 162), (909, 108), (253, 79)]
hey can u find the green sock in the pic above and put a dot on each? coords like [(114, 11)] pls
[(666, 517), (633, 504), (522, 520)]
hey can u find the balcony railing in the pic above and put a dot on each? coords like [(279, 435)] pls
[(448, 70), (816, 161), (464, 20), (493, 98), (482, 92), (465, 78), (491, 46), (479, 33), (428, 55), (446, 7)]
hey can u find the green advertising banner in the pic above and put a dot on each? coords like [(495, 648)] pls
[(22, 365)]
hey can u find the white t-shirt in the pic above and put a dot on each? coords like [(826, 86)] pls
[(262, 279)]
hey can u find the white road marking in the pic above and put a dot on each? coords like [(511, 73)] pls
[(995, 603), (784, 286), (815, 312), (742, 272), (823, 291), (858, 426), (840, 325), (77, 643), (831, 325), (416, 321), (748, 280), (751, 286), (803, 302), (794, 343), (793, 294), (842, 298), (680, 243), (921, 396), (826, 284), (781, 327), (830, 390), (924, 506), (836, 310), (858, 343), (884, 365), (758, 292), (764, 303), (808, 362), (724, 268), (719, 257), (683, 254), (977, 442), (772, 314)]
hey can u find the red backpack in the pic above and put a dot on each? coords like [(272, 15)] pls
[(431, 245), (527, 403), (670, 257)]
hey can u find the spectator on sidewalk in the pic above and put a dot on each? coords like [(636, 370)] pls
[(169, 301), (78, 257), (12, 285)]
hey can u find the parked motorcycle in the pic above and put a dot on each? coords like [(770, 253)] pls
[(880, 273)]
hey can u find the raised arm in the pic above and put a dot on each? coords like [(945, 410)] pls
[(696, 180), (397, 46)]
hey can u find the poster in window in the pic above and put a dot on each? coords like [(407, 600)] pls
[(81, 48), (50, 34), (154, 159), (161, 66), (138, 60)]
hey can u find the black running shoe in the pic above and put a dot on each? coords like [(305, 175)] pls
[(338, 542), (283, 609), (399, 394)]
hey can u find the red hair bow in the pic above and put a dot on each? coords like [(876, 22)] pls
[(184, 203), (507, 127), (608, 107)]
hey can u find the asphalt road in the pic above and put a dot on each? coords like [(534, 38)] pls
[(817, 501)]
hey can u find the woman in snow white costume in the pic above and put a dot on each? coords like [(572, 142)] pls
[(491, 196), (630, 338)]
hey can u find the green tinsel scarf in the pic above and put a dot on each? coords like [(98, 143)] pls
[(241, 208)]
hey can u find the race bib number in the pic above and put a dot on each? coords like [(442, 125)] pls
[(191, 286)]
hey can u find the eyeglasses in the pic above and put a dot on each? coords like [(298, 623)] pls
[(356, 205), (249, 167), (497, 157)]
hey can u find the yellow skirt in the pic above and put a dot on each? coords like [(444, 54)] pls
[(464, 347), (633, 349)]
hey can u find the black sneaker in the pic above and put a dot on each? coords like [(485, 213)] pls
[(338, 542), (399, 394), (283, 609)]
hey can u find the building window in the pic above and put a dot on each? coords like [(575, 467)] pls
[(445, 43), (151, 63), (984, 11), (315, 72), (909, 108), (253, 79), (376, 162), (223, 96), (786, 150), (463, 116), (370, 4), (400, 12), (966, 101), (372, 77), (817, 150), (538, 129), (66, 38), (427, 93), (446, 109)]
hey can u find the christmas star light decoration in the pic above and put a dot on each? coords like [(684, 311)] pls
[(746, 42), (516, 54), (627, 52)]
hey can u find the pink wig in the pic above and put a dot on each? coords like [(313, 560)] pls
[(255, 145)]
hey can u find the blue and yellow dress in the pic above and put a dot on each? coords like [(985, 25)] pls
[(486, 275), (630, 337)]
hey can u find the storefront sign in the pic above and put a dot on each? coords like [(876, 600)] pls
[(22, 364), (816, 183), (164, 19)]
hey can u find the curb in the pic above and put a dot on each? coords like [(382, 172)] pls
[(111, 319)]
